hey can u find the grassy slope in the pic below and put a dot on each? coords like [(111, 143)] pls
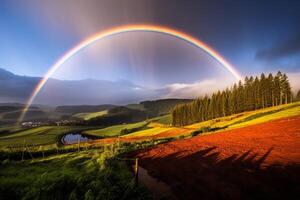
[(165, 119), (158, 124), (149, 132), (50, 135), (38, 136), (114, 130), (87, 116), (251, 118), (68, 176), (10, 127)]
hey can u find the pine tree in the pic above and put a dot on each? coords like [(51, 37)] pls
[(298, 96), (263, 90), (257, 96), (277, 90), (286, 89), (279, 75), (271, 87), (240, 98), (252, 94)]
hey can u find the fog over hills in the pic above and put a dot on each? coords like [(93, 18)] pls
[(16, 88)]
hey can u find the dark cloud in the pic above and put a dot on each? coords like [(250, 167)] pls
[(281, 49)]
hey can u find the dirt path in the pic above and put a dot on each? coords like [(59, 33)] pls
[(259, 161)]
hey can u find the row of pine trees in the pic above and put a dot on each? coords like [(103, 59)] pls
[(254, 93)]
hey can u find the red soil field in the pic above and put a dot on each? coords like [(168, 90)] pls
[(259, 161)]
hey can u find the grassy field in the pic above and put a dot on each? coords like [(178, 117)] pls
[(250, 118), (92, 173), (165, 119), (51, 134), (38, 136), (89, 174), (10, 128), (87, 116), (149, 132), (115, 130)]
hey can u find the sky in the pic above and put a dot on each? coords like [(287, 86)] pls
[(254, 36)]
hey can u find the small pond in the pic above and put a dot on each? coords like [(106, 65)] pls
[(72, 138)]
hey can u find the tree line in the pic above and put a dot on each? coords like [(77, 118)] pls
[(253, 93)]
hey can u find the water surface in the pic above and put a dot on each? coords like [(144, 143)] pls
[(73, 138)]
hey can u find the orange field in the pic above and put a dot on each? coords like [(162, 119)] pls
[(259, 161)]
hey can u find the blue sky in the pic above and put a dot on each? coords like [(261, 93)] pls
[(255, 36)]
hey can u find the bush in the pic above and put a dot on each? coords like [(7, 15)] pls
[(201, 130)]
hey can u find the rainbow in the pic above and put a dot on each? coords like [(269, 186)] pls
[(124, 29)]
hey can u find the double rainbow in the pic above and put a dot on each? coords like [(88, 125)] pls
[(123, 29)]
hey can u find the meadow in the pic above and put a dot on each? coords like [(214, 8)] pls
[(116, 130), (44, 135), (87, 116), (89, 174), (100, 170), (248, 118)]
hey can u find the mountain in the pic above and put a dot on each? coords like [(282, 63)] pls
[(16, 88), (162, 106), (83, 108)]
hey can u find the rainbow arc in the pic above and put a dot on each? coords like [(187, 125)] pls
[(124, 29)]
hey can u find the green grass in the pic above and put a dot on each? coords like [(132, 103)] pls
[(149, 132), (165, 119), (250, 118), (268, 115), (90, 174), (39, 136), (10, 127), (87, 116), (94, 173), (114, 130)]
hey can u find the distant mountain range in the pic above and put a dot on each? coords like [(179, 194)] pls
[(16, 88)]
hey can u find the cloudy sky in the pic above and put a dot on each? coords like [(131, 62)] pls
[(255, 36)]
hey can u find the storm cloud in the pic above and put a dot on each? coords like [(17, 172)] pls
[(281, 49)]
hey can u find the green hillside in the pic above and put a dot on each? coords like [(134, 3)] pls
[(39, 136), (116, 130), (250, 118), (87, 116)]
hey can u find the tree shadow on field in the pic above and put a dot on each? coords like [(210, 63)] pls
[(202, 175)]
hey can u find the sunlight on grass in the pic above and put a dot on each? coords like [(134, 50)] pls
[(114, 130), (87, 116), (148, 132), (250, 118)]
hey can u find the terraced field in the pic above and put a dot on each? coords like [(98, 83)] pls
[(159, 128), (38, 136), (252, 162), (250, 118)]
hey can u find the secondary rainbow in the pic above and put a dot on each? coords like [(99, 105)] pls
[(123, 29)]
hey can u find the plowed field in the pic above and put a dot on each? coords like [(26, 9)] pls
[(259, 161)]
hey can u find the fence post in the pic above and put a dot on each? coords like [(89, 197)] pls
[(136, 171), (28, 150), (78, 143), (23, 150), (42, 151)]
